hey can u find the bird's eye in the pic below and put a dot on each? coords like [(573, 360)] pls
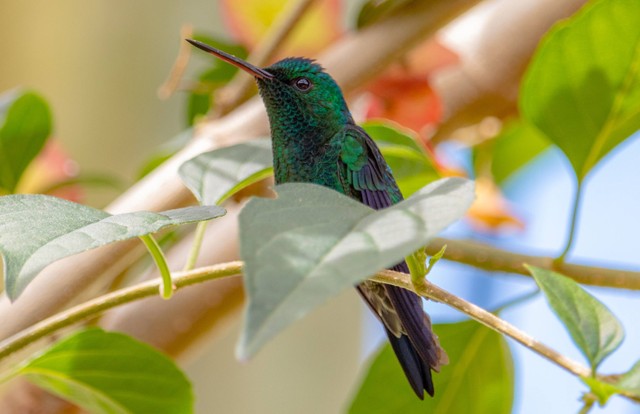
[(302, 84)]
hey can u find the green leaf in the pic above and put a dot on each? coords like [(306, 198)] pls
[(478, 380), (411, 166), (217, 75), (517, 144), (311, 243), (25, 125), (108, 372), (593, 328), (36, 230), (436, 258), (582, 88), (214, 176), (630, 381)]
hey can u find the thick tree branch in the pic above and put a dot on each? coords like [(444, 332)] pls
[(493, 259)]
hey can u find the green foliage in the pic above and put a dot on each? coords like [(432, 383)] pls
[(582, 88), (627, 384), (25, 125), (216, 75), (593, 328), (517, 144), (479, 378), (412, 168), (111, 373), (36, 230), (165, 151), (630, 381), (326, 242), (216, 175)]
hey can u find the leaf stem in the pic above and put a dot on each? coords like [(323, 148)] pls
[(166, 288), (195, 247), (574, 220)]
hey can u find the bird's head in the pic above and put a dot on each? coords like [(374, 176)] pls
[(297, 92)]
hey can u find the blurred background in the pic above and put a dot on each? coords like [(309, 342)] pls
[(99, 64)]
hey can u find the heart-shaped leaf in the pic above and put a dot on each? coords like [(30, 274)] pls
[(311, 243), (36, 230), (216, 175), (582, 88), (478, 380), (25, 125), (593, 328), (108, 372)]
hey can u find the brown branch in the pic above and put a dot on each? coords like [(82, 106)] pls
[(170, 85), (493, 259)]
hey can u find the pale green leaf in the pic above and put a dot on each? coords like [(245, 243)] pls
[(36, 230), (111, 373), (311, 243), (479, 378), (216, 175), (582, 88), (630, 381), (25, 125), (411, 166), (593, 328)]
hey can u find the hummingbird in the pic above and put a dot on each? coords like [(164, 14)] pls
[(315, 140)]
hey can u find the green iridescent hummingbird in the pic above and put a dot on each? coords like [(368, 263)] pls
[(315, 140)]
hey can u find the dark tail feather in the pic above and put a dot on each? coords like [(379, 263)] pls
[(418, 374)]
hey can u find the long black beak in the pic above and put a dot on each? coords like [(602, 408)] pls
[(239, 63)]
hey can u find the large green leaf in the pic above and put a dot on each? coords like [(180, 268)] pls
[(213, 176), (478, 380), (36, 230), (111, 373), (593, 328), (311, 242), (582, 88), (25, 125), (411, 166)]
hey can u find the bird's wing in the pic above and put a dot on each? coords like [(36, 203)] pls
[(367, 174), (368, 178)]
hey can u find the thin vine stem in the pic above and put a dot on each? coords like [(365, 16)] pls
[(166, 288), (574, 221), (195, 247), (111, 300), (183, 279), (150, 288)]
